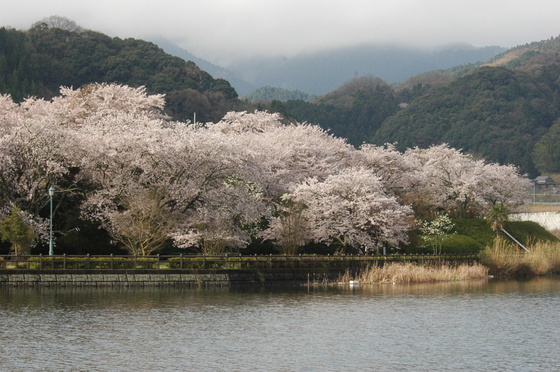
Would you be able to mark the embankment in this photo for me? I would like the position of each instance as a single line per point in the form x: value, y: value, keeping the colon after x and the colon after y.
x: 548, y: 220
x: 144, y: 278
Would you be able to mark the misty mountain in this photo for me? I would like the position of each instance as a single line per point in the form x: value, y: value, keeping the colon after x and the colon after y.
x: 241, y: 86
x: 506, y: 110
x: 269, y: 94
x: 323, y: 72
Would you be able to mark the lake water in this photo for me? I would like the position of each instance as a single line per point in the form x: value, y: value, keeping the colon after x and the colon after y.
x: 464, y: 326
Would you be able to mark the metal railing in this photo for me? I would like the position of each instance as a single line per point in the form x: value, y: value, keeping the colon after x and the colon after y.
x: 545, y: 198
x: 225, y: 262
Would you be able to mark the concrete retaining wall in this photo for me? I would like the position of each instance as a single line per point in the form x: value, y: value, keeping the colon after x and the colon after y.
x: 548, y: 220
x: 141, y: 278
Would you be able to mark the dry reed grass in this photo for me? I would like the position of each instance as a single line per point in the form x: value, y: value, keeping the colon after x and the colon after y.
x: 407, y: 273
x: 505, y: 259
x: 556, y: 233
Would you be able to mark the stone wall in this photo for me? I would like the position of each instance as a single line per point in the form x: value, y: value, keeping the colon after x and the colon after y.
x: 142, y: 278
x: 109, y: 278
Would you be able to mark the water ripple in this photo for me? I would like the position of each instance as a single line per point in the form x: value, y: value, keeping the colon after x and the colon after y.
x: 492, y: 326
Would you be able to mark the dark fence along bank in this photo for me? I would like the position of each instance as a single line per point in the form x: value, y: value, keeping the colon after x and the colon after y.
x: 186, y: 270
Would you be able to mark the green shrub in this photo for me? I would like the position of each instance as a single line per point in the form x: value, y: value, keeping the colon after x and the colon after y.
x: 195, y: 262
x: 451, y: 244
x: 476, y: 228
x: 461, y: 244
x: 524, y: 231
x: 59, y: 262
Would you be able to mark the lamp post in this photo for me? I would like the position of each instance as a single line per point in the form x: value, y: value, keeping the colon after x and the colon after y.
x: 51, y: 246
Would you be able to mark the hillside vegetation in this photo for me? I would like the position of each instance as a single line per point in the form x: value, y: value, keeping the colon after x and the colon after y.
x: 506, y: 110
x: 38, y: 61
x: 355, y: 111
x: 495, y: 112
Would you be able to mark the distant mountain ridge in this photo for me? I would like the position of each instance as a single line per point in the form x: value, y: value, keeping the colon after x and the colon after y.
x: 502, y: 110
x: 268, y: 94
x: 529, y: 55
x: 241, y: 86
x: 322, y: 72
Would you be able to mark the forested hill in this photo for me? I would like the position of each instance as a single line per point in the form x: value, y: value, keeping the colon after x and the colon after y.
x: 38, y: 61
x: 495, y: 112
x: 354, y: 111
x: 529, y: 57
x: 506, y: 110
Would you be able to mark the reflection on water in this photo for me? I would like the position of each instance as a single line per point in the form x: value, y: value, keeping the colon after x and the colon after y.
x: 475, y: 325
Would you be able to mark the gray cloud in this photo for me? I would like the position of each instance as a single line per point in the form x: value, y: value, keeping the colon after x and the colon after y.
x: 226, y: 30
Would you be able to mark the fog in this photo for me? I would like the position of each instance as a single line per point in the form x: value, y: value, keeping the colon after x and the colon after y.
x: 223, y: 31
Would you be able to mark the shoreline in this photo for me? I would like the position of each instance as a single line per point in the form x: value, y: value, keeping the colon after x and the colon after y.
x: 389, y: 273
x: 161, y: 278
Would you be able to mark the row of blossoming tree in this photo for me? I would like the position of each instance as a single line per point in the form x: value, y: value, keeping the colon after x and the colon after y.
x: 147, y: 180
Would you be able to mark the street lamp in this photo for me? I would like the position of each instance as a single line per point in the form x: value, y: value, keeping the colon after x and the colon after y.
x: 51, y: 247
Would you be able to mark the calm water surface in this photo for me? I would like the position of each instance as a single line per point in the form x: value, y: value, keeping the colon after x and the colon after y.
x: 468, y: 326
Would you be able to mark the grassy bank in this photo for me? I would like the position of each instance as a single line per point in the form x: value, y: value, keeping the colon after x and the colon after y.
x: 473, y: 234
x: 505, y: 259
x: 406, y: 273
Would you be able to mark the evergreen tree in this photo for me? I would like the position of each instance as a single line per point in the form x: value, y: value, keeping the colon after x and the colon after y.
x: 546, y: 154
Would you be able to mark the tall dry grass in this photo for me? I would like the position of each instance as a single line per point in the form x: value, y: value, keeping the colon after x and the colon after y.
x: 506, y: 259
x: 407, y: 273
x: 556, y: 233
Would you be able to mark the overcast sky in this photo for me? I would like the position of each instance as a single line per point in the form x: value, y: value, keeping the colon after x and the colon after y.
x: 225, y: 30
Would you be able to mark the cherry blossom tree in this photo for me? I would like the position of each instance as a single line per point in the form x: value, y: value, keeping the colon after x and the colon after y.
x: 39, y: 141
x: 144, y: 224
x: 45, y: 144
x: 450, y: 179
x: 350, y: 208
x: 453, y: 180
x: 276, y: 156
x: 147, y: 179
x: 200, y: 173
x: 36, y: 154
x: 289, y: 227
x: 504, y: 185
x: 227, y: 216
x: 396, y: 171
x: 132, y: 156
